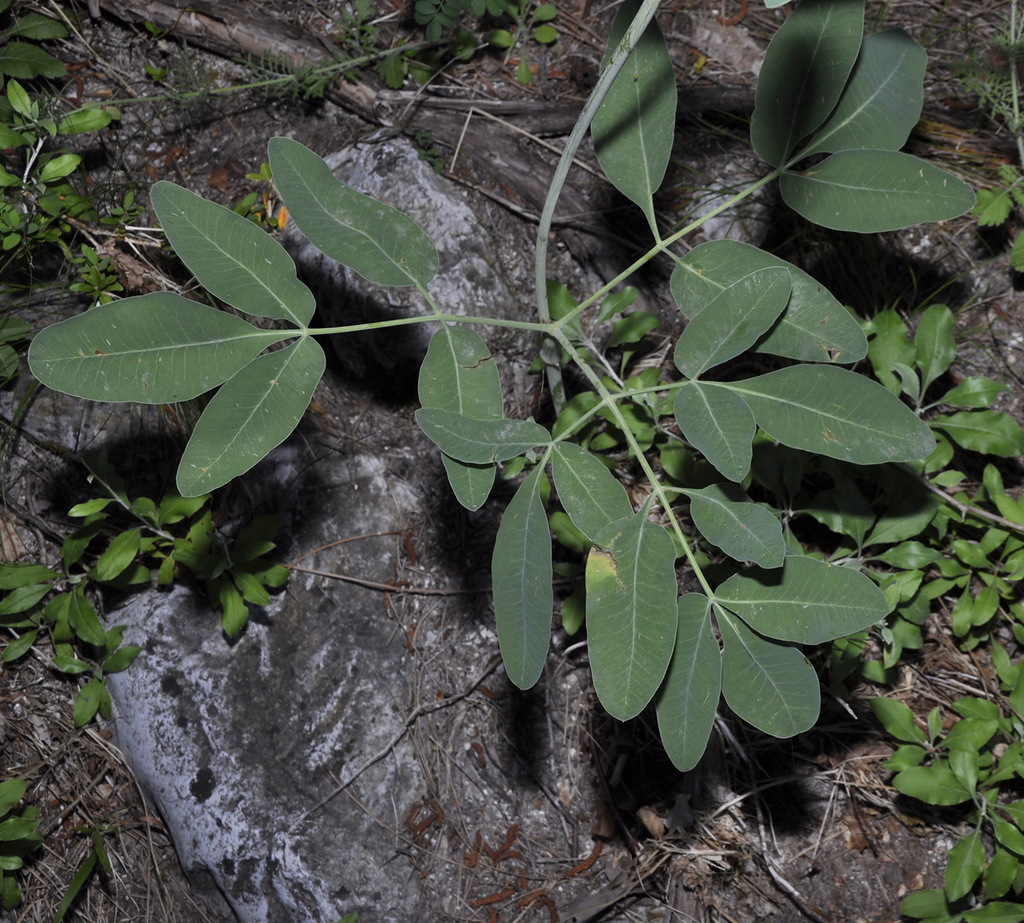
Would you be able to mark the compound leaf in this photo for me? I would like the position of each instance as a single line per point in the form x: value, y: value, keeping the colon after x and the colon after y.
x: 635, y: 125
x: 719, y: 424
x: 814, y: 327
x: 730, y: 520
x: 631, y: 613
x: 805, y: 69
x: 521, y: 572
x: 231, y: 257
x: 458, y: 374
x: 480, y: 442
x: 153, y: 349
x: 377, y: 241
x: 835, y: 412
x: 588, y: 491
x: 882, y: 101
x: 255, y: 411
x: 771, y: 686
x: 733, y: 321
x: 805, y: 601
x: 688, y: 699
x: 872, y: 191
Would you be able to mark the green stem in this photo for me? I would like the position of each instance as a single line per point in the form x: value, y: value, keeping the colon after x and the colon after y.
x: 609, y: 400
x: 418, y: 319
x: 663, y: 245
x: 615, y: 64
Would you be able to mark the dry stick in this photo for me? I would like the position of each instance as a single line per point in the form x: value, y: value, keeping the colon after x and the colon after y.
x: 391, y: 587
x: 414, y: 716
x: 964, y: 508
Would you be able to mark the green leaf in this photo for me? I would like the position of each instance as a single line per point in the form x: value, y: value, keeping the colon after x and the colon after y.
x: 11, y: 792
x: 121, y: 659
x: 730, y: 520
x: 521, y: 572
x: 631, y: 328
x: 771, y: 686
x: 926, y: 905
x: 805, y: 601
x: 88, y: 701
x: 23, y: 598
x: 932, y: 785
x: 18, y: 648
x: 587, y: 490
x: 634, y: 128
x: 36, y: 27
x: 993, y: 206
x: 996, y: 912
x: 804, y: 72
x: 1017, y: 254
x: 255, y: 411
x: 86, y: 119
x: 985, y: 431
x: 835, y: 412
x: 545, y: 34
x: 122, y: 550
x: 459, y: 374
x: 19, y: 575
x: 231, y: 257
x: 872, y: 191
x: 83, y: 619
x: 480, y: 442
x: 58, y: 167
x: 882, y: 101
x: 1000, y: 873
x: 631, y: 613
x: 976, y: 391
x: 934, y: 344
x: 377, y: 241
x: 687, y: 702
x: 20, y: 59
x: 719, y: 424
x: 153, y: 349
x: 814, y: 327
x: 733, y: 321
x: 234, y: 611
x: 11, y: 138
x: 1008, y: 835
x: 890, y: 345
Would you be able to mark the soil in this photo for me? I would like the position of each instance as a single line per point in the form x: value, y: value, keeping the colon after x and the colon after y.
x: 802, y: 829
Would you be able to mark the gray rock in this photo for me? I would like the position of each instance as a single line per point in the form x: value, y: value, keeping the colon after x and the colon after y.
x: 236, y: 742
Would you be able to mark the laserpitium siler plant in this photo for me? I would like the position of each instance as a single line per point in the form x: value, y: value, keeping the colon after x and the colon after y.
x: 832, y: 110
